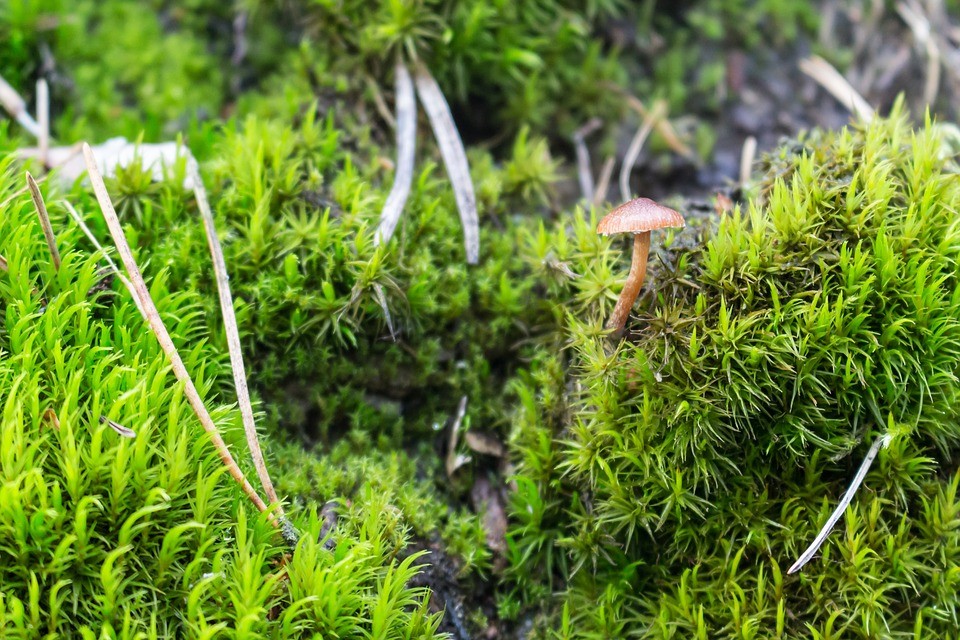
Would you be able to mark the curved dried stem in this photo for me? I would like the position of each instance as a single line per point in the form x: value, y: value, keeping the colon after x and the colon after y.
x: 139, y: 290
x: 406, y: 150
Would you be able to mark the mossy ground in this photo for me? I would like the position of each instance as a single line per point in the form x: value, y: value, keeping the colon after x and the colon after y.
x: 655, y: 488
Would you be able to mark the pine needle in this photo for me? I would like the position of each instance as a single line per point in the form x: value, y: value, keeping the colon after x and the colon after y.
x: 139, y: 290
x: 833, y: 81
x: 44, y: 220
x: 406, y: 149
x: 233, y: 340
x: 454, y: 157
x: 844, y: 503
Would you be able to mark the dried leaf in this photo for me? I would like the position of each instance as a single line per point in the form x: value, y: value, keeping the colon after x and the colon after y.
x: 50, y: 417
x: 406, y: 148
x: 119, y: 428
x: 484, y: 443
x: 454, y: 157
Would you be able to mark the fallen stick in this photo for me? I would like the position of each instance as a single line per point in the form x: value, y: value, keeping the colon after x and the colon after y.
x: 233, y: 340
x: 406, y: 127
x: 139, y: 290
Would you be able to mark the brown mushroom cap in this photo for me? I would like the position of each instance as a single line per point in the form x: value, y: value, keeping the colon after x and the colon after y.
x: 637, y: 216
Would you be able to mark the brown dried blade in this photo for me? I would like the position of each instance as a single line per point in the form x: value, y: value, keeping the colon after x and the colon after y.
x: 454, y: 157
x: 139, y: 290
x: 233, y: 339
x: 44, y: 220
x: 406, y: 149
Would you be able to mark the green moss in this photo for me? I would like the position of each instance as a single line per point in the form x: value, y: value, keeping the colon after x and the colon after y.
x: 699, y: 457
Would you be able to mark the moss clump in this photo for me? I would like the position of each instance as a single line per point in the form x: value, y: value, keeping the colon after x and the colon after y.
x: 106, y: 537
x: 696, y: 461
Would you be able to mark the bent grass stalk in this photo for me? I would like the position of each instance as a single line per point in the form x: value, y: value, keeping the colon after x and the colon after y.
x: 139, y: 290
x: 233, y: 339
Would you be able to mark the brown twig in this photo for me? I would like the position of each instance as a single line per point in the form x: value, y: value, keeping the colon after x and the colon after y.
x: 233, y: 340
x: 44, y: 220
x: 139, y: 290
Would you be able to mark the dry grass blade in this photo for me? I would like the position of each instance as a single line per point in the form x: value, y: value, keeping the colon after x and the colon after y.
x: 44, y: 220
x: 662, y: 126
x: 233, y: 340
x: 3, y: 264
x: 43, y: 119
x: 747, y: 154
x: 17, y: 108
x: 455, y: 460
x: 139, y: 290
x: 834, y: 82
x: 382, y: 301
x: 603, y: 182
x: 844, y: 503
x: 633, y: 151
x: 454, y: 157
x: 406, y: 149
x: 912, y: 14
x: 584, y: 172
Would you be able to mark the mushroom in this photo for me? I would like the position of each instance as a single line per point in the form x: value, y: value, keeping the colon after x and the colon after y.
x: 639, y: 217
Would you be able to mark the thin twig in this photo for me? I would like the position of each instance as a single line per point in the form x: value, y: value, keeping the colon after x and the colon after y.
x: 844, y: 503
x: 747, y: 155
x: 44, y: 220
x: 43, y: 119
x: 603, y: 182
x: 833, y: 81
x: 17, y: 108
x: 139, y: 289
x: 584, y: 172
x: 633, y: 151
x: 454, y: 157
x: 233, y: 339
x: 406, y: 127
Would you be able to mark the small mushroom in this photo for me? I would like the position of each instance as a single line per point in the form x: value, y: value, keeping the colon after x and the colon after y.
x: 639, y: 217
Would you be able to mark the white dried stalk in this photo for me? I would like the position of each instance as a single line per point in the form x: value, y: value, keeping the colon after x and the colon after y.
x: 17, y: 108
x: 913, y: 15
x: 139, y: 290
x: 454, y: 157
x: 406, y: 149
x: 603, y: 182
x: 233, y: 339
x: 633, y: 151
x: 584, y: 172
x: 43, y: 119
x: 844, y: 503
x: 44, y: 220
x: 747, y: 154
x: 833, y: 81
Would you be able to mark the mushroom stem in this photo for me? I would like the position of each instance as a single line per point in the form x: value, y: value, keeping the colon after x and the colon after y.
x: 631, y: 288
